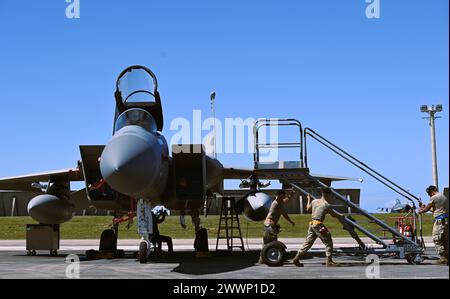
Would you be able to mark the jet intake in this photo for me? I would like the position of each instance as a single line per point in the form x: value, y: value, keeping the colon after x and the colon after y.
x: 190, y: 172
x: 50, y: 209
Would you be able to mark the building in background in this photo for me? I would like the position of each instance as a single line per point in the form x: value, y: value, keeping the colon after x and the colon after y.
x: 15, y: 203
x: 297, y: 204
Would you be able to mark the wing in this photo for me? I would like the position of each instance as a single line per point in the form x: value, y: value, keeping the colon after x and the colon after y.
x: 244, y: 173
x: 336, y: 178
x: 237, y: 173
x: 23, y: 183
x: 329, y: 179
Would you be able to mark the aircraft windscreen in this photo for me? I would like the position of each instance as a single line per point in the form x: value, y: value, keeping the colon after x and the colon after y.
x: 137, y: 86
x: 136, y: 117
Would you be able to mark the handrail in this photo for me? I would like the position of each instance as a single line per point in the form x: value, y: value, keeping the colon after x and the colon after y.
x: 359, y: 164
x: 363, y: 212
x: 267, y: 122
x: 348, y: 221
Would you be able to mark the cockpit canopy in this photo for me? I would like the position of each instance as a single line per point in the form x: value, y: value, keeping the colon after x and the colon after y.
x: 137, y: 85
x: 136, y: 117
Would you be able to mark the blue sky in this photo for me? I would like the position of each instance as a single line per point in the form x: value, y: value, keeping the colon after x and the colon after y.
x: 358, y: 81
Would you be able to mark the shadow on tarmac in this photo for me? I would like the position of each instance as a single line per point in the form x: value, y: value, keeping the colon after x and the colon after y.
x: 211, y: 263
x: 221, y: 262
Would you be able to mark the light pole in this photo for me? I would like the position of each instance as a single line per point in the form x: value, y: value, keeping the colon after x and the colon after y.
x: 432, y: 110
x: 213, y: 99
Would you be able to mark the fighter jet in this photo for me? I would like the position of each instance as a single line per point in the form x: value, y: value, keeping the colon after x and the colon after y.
x: 398, y: 208
x: 135, y: 170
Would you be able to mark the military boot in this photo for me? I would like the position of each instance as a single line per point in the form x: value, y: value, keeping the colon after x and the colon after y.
x: 331, y: 263
x: 297, y: 259
x: 441, y: 261
x: 260, y: 261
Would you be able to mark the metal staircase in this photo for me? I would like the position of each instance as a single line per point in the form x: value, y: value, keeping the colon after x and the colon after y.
x: 298, y: 177
x: 418, y: 241
x: 358, y: 164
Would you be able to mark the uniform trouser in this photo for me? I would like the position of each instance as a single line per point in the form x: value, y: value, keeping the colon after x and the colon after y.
x: 270, y: 233
x: 159, y: 239
x: 440, y: 237
x: 321, y: 232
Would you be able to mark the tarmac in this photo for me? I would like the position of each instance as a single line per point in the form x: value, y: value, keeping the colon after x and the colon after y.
x: 14, y: 263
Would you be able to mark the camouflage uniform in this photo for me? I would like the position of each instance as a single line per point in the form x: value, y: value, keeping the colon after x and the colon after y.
x: 270, y: 233
x: 271, y: 226
x: 440, y: 227
x: 320, y: 207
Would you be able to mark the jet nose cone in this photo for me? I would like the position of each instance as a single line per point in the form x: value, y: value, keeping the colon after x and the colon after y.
x: 127, y: 164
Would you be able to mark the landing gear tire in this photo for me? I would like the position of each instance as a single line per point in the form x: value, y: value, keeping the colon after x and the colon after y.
x: 108, y: 241
x: 143, y: 252
x: 201, y: 240
x: 274, y: 254
x: 414, y: 259
x: 91, y: 254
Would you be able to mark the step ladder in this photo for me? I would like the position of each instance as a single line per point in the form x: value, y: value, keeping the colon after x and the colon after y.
x: 229, y: 225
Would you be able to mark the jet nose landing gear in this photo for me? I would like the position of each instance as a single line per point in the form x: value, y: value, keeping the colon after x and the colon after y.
x: 143, y: 252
